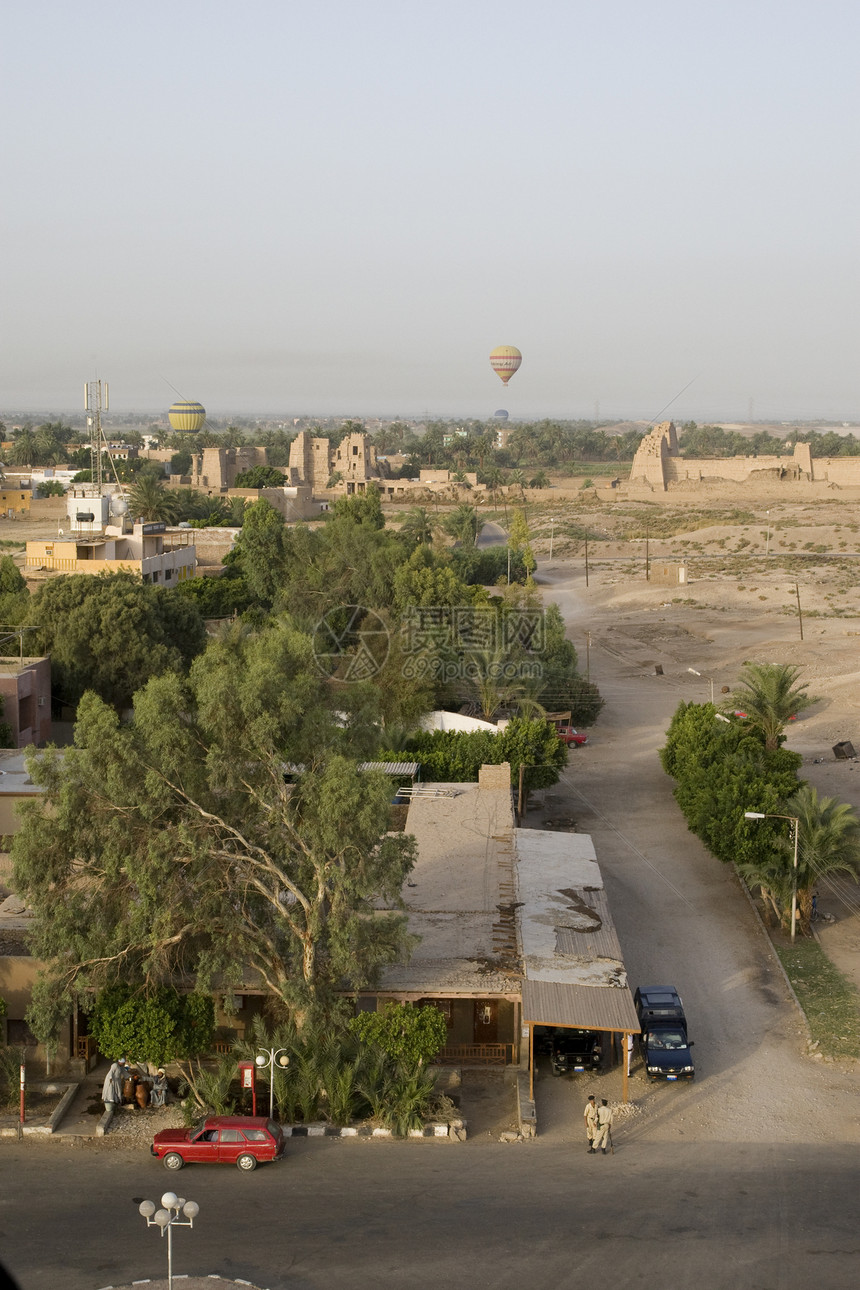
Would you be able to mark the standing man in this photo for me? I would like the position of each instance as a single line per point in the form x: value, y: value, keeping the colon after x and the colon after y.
x: 112, y: 1087
x: 590, y: 1115
x: 604, y: 1126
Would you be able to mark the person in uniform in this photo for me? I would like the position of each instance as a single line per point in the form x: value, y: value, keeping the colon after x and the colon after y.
x: 590, y: 1115
x: 604, y: 1126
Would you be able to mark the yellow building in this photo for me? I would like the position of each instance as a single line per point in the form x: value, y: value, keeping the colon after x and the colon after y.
x: 14, y: 500
x: 147, y: 550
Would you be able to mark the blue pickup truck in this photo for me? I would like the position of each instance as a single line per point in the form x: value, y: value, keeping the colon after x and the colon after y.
x: 664, y: 1042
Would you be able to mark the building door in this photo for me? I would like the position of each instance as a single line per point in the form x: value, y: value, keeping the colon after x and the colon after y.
x: 486, y: 1021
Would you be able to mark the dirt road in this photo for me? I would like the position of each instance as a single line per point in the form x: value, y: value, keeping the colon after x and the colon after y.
x: 681, y: 915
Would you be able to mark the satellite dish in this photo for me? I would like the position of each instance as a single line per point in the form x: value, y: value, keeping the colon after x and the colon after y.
x: 118, y: 504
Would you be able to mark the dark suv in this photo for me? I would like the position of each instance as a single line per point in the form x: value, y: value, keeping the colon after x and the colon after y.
x: 664, y: 1042
x: 574, y: 1051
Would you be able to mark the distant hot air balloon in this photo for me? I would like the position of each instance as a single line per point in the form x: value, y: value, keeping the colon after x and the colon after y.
x: 186, y: 418
x: 501, y: 414
x: 505, y: 360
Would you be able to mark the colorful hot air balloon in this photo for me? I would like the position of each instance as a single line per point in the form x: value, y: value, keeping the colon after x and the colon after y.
x: 186, y: 418
x: 505, y: 360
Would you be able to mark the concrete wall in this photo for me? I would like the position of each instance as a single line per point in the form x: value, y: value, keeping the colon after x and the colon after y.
x: 26, y: 691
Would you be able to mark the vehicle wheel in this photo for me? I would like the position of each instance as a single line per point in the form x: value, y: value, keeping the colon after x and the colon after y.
x: 247, y: 1163
x: 173, y: 1160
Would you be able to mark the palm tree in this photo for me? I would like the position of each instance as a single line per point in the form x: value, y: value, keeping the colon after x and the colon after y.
x: 463, y: 524
x: 22, y: 450
x: 518, y: 478
x: 540, y: 480
x: 828, y: 843
x: 418, y: 526
x: 770, y: 697
x: 498, y: 684
x: 149, y: 500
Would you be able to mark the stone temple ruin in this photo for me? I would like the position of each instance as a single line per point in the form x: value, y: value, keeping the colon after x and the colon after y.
x: 658, y: 466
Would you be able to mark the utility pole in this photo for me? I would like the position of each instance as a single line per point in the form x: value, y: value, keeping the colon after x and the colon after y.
x: 647, y: 554
x: 799, y: 613
x: 586, y: 557
x: 588, y: 656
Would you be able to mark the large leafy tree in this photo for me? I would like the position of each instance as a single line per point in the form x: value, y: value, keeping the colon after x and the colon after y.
x: 112, y: 632
x: 721, y: 770
x: 770, y: 696
x: 171, y: 849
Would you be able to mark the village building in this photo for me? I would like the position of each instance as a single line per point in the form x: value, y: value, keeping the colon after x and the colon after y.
x: 25, y: 687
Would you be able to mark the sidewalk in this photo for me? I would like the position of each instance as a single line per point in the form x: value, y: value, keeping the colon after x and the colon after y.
x: 80, y: 1121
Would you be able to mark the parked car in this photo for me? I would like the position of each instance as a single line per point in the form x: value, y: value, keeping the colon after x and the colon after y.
x: 664, y: 1042
x: 571, y: 737
x: 574, y: 1051
x: 242, y: 1140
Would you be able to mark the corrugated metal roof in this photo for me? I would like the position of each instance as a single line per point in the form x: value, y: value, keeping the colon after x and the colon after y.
x: 391, y: 767
x: 566, y: 930
x: 555, y: 1003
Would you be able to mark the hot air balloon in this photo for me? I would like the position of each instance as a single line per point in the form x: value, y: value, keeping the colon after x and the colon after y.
x: 505, y: 360
x: 186, y: 418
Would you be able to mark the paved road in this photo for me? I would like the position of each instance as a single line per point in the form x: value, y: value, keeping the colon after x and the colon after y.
x: 365, y: 1215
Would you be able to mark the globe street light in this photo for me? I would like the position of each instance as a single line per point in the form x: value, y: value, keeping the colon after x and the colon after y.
x: 267, y: 1058
x: 704, y: 678
x: 167, y: 1218
x: 760, y: 815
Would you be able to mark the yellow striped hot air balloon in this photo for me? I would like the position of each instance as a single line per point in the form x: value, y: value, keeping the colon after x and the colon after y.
x: 186, y: 418
x: 505, y: 360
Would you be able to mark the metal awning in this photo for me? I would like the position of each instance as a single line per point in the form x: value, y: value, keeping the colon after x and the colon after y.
x: 588, y: 1007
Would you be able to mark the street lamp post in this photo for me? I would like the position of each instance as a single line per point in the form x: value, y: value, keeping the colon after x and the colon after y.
x: 551, y: 536
x: 167, y: 1218
x: 767, y: 539
x: 704, y: 678
x: 762, y: 815
x: 268, y: 1057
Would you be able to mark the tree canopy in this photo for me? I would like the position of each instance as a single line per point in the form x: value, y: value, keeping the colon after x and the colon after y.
x: 110, y: 633
x: 171, y: 849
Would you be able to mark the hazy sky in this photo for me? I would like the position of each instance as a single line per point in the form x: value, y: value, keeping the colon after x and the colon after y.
x: 341, y: 206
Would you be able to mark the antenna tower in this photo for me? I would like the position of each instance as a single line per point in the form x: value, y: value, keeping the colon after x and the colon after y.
x: 96, y: 401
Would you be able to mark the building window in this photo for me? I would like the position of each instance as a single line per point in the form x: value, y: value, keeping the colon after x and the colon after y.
x: 18, y: 1033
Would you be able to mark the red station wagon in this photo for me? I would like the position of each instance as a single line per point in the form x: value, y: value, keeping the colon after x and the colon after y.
x: 242, y: 1140
x: 571, y: 737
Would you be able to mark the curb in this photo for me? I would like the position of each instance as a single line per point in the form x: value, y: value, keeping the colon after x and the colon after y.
x: 526, y: 1108
x: 62, y: 1107
x: 453, y: 1129
x: 105, y: 1122
x: 745, y: 889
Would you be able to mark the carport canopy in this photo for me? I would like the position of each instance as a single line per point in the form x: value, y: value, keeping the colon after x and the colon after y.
x: 586, y: 1007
